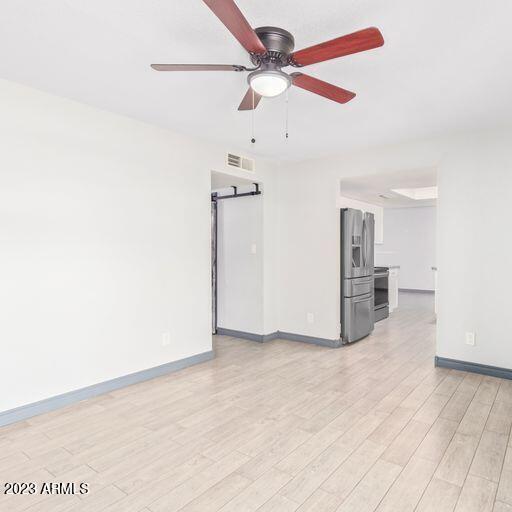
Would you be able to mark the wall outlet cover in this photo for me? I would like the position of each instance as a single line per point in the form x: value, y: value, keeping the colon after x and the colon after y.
x: 470, y: 339
x: 166, y: 339
x: 310, y: 318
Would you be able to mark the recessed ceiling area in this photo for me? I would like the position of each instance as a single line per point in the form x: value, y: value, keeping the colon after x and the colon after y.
x: 442, y: 68
x: 417, y: 193
x: 380, y: 189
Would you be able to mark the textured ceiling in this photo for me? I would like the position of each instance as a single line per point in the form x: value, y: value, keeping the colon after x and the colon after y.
x: 445, y: 67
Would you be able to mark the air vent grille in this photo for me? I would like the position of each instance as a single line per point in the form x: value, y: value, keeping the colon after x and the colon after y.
x: 240, y: 162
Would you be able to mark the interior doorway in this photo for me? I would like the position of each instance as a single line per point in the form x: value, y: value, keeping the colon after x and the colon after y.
x: 403, y: 211
x: 236, y: 224
x: 214, y: 264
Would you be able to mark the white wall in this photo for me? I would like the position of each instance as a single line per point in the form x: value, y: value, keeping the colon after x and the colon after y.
x: 409, y: 241
x: 308, y: 251
x: 104, y: 245
x: 378, y: 214
x: 270, y: 247
x: 475, y: 282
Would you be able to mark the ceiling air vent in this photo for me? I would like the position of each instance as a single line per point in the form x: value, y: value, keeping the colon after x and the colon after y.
x: 240, y: 162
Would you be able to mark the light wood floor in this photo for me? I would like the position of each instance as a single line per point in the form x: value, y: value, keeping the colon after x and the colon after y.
x: 284, y: 427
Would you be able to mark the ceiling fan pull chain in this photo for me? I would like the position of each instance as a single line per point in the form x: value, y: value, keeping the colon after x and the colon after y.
x: 253, y: 140
x: 286, y: 122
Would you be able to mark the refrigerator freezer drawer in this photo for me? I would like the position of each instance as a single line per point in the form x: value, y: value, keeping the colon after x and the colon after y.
x: 358, y: 317
x: 358, y: 286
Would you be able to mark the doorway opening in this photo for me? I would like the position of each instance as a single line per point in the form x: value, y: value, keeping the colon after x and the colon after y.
x: 236, y: 236
x: 400, y: 208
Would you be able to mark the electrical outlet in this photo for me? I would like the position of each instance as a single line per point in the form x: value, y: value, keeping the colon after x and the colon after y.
x: 310, y: 318
x: 166, y: 339
x: 470, y: 338
x: 253, y: 249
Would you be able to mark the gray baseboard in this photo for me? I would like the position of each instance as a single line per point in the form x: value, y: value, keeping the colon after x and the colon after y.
x: 466, y: 366
x: 415, y: 290
x: 56, y: 402
x: 262, y: 338
x: 323, y: 342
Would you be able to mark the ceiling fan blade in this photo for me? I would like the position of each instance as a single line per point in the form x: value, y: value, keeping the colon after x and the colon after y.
x: 325, y: 89
x: 248, y: 103
x: 197, y: 67
x: 360, y: 41
x: 228, y: 12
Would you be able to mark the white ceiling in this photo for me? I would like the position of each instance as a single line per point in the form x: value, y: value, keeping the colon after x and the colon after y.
x: 372, y: 188
x: 445, y: 67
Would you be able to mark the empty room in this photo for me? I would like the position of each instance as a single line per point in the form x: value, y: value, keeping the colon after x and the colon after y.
x: 254, y: 256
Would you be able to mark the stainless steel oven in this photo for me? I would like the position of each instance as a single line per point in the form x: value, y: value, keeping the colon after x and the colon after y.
x: 381, y: 293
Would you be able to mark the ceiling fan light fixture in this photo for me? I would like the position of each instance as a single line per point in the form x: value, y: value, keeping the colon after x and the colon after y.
x: 269, y: 83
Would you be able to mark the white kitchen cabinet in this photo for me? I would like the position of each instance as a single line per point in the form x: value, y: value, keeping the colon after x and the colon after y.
x: 393, y: 288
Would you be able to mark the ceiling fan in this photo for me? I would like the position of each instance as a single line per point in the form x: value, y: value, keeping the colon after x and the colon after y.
x: 271, y: 49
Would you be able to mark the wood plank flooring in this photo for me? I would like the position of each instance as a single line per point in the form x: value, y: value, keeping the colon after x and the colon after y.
x: 283, y: 427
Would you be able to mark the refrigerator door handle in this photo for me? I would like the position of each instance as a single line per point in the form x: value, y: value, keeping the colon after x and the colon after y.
x: 366, y: 244
x: 363, y: 242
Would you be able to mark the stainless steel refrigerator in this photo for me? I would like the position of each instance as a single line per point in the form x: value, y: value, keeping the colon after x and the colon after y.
x: 357, y: 282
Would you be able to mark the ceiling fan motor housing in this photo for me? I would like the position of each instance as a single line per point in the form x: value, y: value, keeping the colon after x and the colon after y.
x: 279, y: 44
